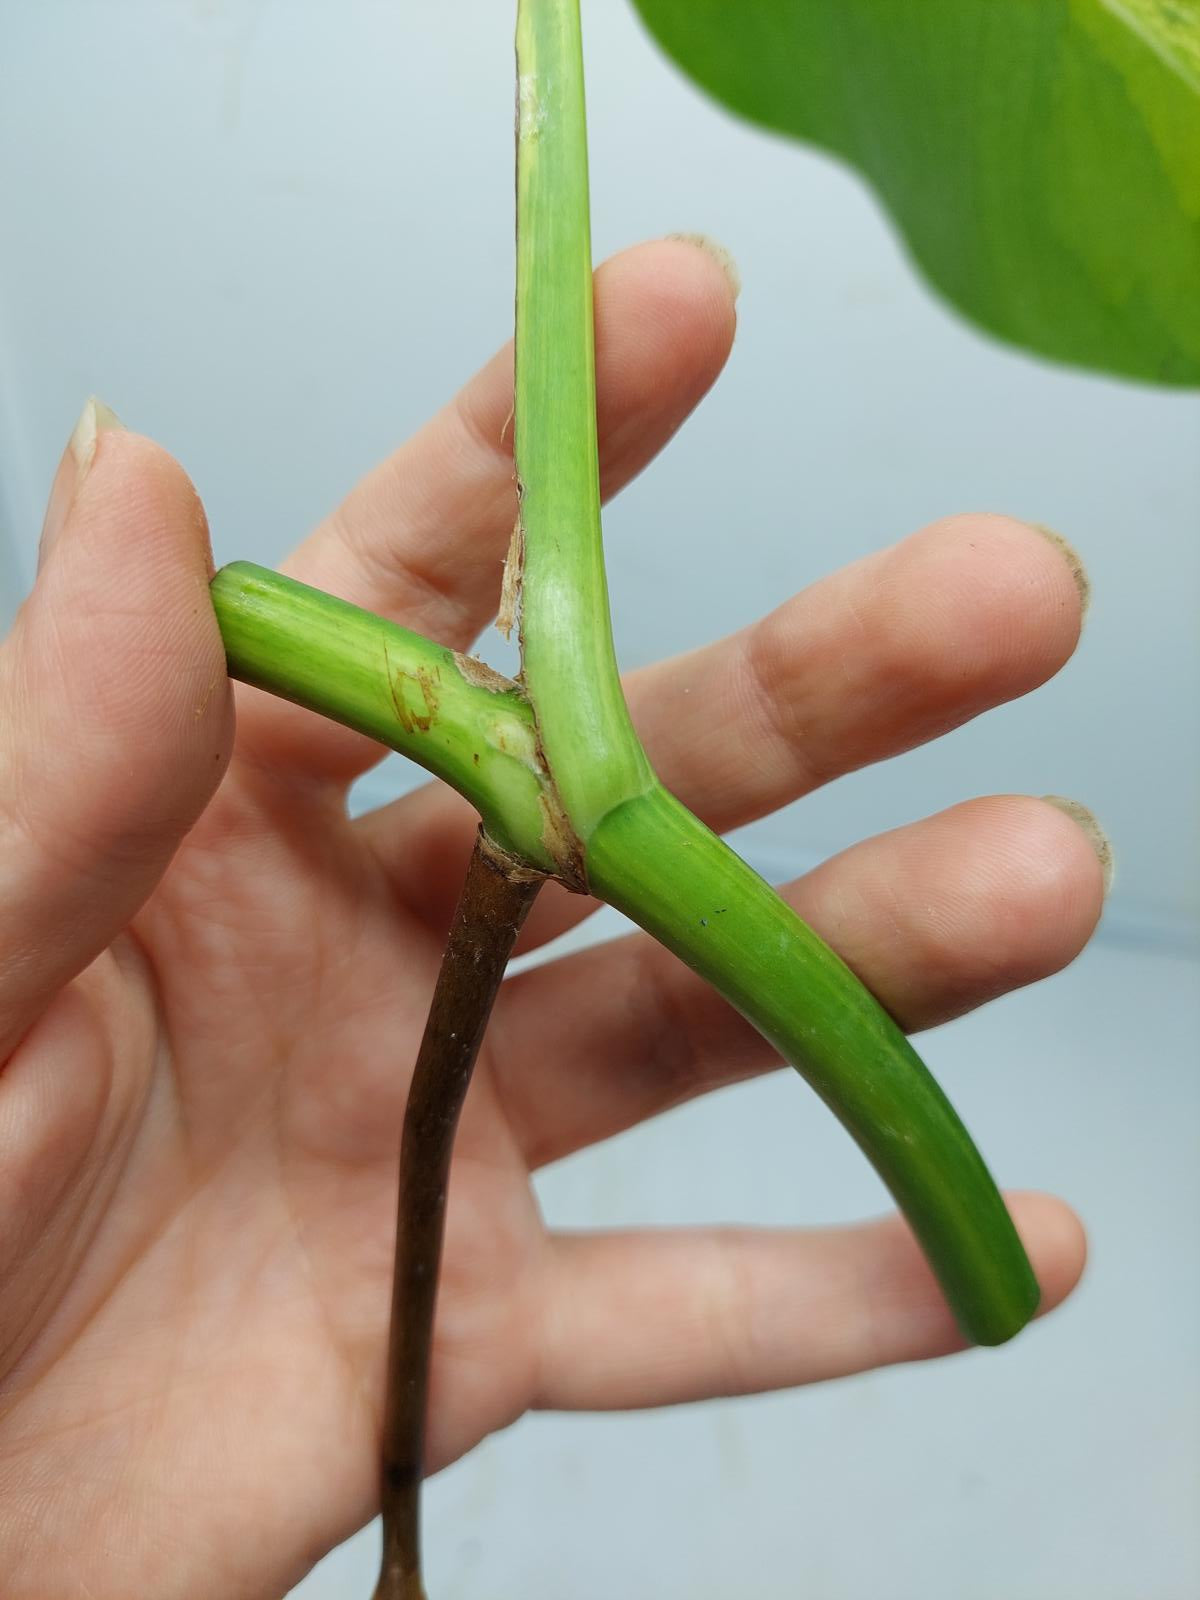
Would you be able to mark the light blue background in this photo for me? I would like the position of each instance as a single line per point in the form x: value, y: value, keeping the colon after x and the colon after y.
x: 275, y: 236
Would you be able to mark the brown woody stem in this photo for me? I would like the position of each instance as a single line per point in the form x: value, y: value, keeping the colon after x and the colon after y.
x: 495, y: 900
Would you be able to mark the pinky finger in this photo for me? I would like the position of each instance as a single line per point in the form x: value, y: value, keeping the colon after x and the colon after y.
x: 663, y: 1316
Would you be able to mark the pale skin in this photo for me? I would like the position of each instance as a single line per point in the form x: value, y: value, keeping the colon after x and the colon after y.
x: 212, y: 985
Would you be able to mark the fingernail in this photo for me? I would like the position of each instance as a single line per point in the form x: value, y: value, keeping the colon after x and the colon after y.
x: 1078, y: 571
x: 1096, y: 835
x: 719, y: 254
x: 95, y: 418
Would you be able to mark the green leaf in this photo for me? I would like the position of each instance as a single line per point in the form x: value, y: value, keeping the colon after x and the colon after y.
x: 1040, y: 157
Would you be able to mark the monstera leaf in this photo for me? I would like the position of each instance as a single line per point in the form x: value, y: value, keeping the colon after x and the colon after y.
x: 1041, y: 157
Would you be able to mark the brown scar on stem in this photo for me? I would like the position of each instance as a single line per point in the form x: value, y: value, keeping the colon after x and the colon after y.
x: 561, y: 841
x: 510, y: 588
x: 513, y: 868
x: 563, y: 845
x: 514, y: 563
x: 480, y: 676
x: 411, y: 720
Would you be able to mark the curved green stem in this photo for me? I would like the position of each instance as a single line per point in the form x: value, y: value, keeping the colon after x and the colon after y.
x: 456, y: 717
x: 655, y: 862
x: 569, y: 667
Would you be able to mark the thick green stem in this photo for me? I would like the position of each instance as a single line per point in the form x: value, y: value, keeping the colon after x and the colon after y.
x: 654, y: 861
x: 568, y: 664
x: 456, y: 717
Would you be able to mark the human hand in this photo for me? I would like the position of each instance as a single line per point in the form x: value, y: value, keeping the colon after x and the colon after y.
x: 212, y: 984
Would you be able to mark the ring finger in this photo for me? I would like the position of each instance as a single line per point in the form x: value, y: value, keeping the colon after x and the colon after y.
x: 935, y: 918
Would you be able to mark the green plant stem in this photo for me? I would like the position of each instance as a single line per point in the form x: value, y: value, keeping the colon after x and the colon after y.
x: 655, y: 862
x: 639, y: 848
x: 450, y: 713
x: 556, y: 770
x: 569, y: 667
x: 495, y: 901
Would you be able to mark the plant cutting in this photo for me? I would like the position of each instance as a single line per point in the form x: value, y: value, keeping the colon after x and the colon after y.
x: 214, y: 977
x: 553, y: 765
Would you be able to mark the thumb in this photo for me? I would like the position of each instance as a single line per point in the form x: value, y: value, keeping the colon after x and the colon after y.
x: 116, y: 715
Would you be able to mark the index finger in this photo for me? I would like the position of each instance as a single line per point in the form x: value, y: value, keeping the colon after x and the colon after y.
x: 422, y: 539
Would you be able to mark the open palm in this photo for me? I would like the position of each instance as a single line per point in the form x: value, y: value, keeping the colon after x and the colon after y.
x: 212, y: 983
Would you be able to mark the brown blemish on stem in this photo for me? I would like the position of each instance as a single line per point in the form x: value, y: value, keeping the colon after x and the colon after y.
x: 411, y: 718
x: 513, y: 868
x: 510, y: 588
x: 562, y: 843
x: 495, y: 901
x: 480, y: 676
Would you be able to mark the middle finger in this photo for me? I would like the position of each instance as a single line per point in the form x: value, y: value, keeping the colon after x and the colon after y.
x: 880, y: 657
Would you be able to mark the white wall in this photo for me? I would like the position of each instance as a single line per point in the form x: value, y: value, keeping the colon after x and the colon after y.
x: 275, y: 235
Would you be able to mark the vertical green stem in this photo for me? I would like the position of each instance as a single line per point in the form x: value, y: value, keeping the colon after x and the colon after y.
x: 569, y: 666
